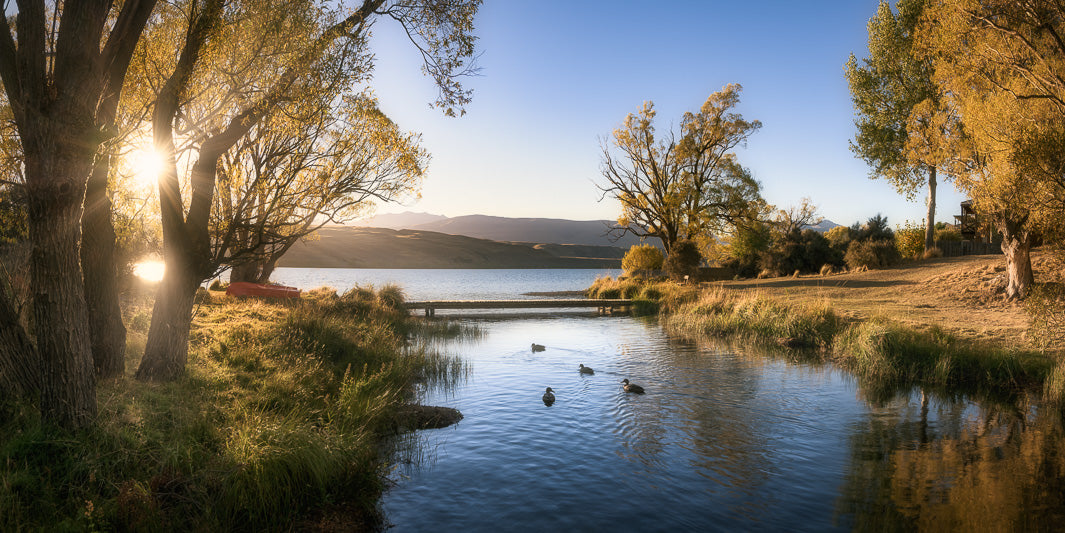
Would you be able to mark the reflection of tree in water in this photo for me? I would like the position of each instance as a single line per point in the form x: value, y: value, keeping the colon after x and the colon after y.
x: 710, y: 410
x: 953, y: 465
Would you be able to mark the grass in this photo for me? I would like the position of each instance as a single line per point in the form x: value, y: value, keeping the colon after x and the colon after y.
x: 884, y: 354
x: 283, y: 412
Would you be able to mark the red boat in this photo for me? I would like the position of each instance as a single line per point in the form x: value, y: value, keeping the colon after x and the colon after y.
x: 244, y: 288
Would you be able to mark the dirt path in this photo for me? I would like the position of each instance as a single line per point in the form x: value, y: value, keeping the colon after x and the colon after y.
x: 955, y: 293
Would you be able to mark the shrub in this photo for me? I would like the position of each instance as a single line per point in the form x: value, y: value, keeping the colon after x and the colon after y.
x: 803, y: 252
x: 948, y: 234
x: 391, y: 296
x: 683, y: 260
x: 218, y: 285
x: 642, y: 257
x: 909, y: 240
x: 871, y: 254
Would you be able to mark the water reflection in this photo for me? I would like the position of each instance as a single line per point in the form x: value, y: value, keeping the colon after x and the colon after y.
x: 724, y: 438
x: 938, y: 465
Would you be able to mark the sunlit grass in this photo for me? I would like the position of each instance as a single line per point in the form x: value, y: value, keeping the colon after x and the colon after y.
x: 284, y: 408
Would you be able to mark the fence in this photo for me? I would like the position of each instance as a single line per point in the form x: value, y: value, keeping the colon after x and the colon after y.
x: 956, y: 248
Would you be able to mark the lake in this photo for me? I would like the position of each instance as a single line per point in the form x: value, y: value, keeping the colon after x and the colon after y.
x: 725, y: 438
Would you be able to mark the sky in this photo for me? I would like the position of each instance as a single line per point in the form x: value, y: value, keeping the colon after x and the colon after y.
x: 558, y: 76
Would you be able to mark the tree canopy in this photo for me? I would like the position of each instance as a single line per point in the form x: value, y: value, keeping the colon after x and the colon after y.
x: 680, y: 188
x: 902, y: 123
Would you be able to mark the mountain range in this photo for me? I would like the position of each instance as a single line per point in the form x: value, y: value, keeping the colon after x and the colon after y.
x: 505, y: 229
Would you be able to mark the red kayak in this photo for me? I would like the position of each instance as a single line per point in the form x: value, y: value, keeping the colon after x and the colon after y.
x: 244, y: 288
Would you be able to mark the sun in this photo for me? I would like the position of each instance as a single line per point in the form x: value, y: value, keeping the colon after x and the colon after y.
x: 145, y: 166
x: 151, y: 270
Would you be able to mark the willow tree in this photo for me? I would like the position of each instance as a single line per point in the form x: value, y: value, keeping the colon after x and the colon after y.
x: 1002, y: 63
x: 58, y: 67
x: 295, y: 172
x: 297, y: 36
x: 681, y: 188
x: 902, y: 123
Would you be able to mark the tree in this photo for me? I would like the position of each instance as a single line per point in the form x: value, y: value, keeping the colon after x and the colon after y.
x: 441, y: 29
x: 58, y: 66
x: 297, y: 171
x: 1001, y: 63
x: 902, y: 122
x: 678, y: 189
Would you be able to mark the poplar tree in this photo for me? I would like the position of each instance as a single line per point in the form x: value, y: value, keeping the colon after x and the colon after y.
x: 901, y: 122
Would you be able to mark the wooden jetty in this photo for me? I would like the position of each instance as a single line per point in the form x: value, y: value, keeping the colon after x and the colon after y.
x: 607, y: 306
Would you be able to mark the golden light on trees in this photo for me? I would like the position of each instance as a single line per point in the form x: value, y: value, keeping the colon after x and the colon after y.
x: 144, y: 165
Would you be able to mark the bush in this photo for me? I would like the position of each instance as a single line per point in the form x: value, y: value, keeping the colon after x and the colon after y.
x: 683, y: 260
x: 872, y: 254
x: 217, y: 285
x: 642, y: 257
x: 948, y: 234
x: 804, y: 252
x: 909, y: 240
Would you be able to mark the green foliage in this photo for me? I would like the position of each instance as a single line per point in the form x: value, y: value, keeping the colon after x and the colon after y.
x: 896, y: 99
x: 909, y: 240
x: 803, y: 251
x: 746, y: 246
x: 683, y: 261
x: 218, y: 285
x: 642, y: 257
x: 284, y: 408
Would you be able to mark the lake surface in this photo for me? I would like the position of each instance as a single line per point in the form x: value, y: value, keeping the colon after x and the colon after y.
x: 724, y: 439
x: 440, y: 283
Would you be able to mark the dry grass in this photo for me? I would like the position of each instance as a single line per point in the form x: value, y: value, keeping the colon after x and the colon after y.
x: 956, y: 294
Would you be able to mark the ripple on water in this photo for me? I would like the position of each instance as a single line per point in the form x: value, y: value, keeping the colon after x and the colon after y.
x: 721, y: 440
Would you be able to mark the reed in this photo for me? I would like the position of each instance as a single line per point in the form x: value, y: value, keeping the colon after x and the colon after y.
x: 882, y: 353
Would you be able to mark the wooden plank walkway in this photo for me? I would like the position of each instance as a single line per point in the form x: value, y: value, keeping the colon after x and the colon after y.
x: 605, y: 306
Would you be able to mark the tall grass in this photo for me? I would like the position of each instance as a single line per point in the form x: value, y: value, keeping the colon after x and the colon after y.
x: 882, y: 353
x: 283, y: 409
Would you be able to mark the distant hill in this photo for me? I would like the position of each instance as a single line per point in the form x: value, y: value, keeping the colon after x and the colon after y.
x: 824, y: 226
x: 404, y: 220
x: 352, y: 247
x: 543, y: 230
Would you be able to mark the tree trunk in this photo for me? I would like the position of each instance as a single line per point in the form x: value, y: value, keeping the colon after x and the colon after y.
x: 930, y: 226
x: 167, y: 349
x: 101, y: 276
x: 1016, y: 245
x: 19, y: 370
x: 56, y: 173
x: 248, y: 271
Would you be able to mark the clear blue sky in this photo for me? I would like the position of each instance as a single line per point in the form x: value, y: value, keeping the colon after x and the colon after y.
x: 559, y: 75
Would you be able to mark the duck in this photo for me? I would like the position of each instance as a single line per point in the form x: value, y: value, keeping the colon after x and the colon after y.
x: 631, y: 387
x: 549, y: 397
x: 538, y: 347
x: 585, y: 370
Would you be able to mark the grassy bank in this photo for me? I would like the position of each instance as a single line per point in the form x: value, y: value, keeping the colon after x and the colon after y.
x: 883, y: 353
x: 279, y: 423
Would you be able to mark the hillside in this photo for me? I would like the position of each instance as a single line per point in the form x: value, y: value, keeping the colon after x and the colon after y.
x: 545, y: 230
x: 352, y: 247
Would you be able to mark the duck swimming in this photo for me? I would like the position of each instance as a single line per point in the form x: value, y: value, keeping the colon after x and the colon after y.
x: 586, y: 370
x: 538, y: 347
x: 631, y: 387
x: 548, y: 398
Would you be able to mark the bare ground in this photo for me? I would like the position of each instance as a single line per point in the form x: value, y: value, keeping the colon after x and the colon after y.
x: 960, y: 294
